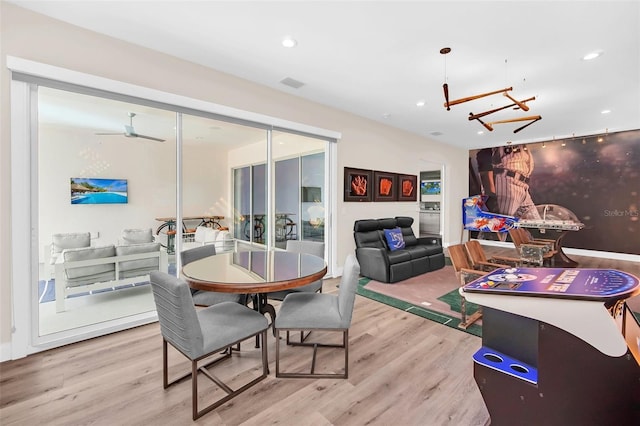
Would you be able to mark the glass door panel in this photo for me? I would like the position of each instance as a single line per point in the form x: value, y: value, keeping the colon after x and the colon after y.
x: 247, y: 165
x: 313, y: 197
x: 259, y: 204
x: 207, y: 146
x: 287, y: 200
x: 242, y: 203
x: 104, y: 167
x: 300, y: 196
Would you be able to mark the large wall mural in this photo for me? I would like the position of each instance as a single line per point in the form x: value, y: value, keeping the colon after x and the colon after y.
x: 596, y: 178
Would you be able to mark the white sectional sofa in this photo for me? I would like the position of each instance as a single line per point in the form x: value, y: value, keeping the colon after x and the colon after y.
x: 86, y: 269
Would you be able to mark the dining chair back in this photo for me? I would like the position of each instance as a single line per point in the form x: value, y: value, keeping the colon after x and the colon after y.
x: 315, y: 248
x: 197, y: 253
x: 201, y: 334
x: 461, y: 262
x: 464, y: 271
x: 202, y: 297
x: 319, y: 311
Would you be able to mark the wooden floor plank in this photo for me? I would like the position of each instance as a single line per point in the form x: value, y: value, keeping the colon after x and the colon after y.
x: 403, y: 369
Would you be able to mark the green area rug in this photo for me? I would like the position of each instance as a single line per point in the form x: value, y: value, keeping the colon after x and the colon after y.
x: 452, y: 299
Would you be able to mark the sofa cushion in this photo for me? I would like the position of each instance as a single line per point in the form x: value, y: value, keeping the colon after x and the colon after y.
x: 418, y: 251
x: 224, y: 241
x: 398, y: 256
x: 369, y: 239
x: 206, y: 235
x: 136, y: 236
x: 387, y: 223
x: 139, y: 267
x: 224, y: 236
x: 404, y: 221
x: 394, y: 238
x: 366, y: 225
x: 88, y: 253
x: 62, y: 242
x: 409, y: 237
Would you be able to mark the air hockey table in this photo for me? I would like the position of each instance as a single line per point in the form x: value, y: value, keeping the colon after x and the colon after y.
x: 559, y: 346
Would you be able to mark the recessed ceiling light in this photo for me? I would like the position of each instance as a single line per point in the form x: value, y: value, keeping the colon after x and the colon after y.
x: 386, y: 115
x: 420, y: 103
x: 480, y: 132
x: 605, y: 111
x: 592, y: 55
x: 289, y: 42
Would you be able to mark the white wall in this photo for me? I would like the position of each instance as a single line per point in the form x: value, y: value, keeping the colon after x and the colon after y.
x: 150, y: 169
x: 365, y: 144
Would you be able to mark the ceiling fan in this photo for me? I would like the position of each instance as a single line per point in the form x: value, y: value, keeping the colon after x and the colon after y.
x: 129, y: 132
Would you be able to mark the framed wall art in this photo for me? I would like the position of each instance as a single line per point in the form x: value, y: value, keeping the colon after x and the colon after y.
x: 385, y: 186
x: 407, y: 188
x: 357, y: 185
x: 99, y: 191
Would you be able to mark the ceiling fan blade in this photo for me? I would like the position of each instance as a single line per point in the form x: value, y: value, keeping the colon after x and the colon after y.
x: 108, y: 134
x: 129, y: 131
x: 147, y: 137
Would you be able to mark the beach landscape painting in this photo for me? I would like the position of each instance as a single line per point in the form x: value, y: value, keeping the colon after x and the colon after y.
x: 99, y: 191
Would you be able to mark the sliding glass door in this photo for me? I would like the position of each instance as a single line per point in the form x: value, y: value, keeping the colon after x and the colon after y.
x: 287, y: 200
x: 110, y: 175
x: 294, y: 187
x: 104, y: 167
x: 299, y: 188
x: 209, y: 146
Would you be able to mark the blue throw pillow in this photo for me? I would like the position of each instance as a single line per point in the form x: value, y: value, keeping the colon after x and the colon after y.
x: 394, y: 238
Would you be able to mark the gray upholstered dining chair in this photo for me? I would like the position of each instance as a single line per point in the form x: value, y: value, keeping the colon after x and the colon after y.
x: 202, y: 297
x: 320, y: 311
x: 315, y: 248
x: 199, y: 334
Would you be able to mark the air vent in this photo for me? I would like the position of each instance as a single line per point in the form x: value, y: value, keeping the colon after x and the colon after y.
x: 436, y: 133
x: 292, y: 83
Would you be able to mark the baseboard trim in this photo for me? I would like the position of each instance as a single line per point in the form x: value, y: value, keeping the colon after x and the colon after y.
x: 5, y: 352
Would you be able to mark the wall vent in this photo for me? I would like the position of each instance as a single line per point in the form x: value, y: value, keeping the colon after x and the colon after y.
x: 288, y: 81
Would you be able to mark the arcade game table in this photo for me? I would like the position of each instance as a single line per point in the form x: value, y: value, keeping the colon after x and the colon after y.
x: 559, y: 346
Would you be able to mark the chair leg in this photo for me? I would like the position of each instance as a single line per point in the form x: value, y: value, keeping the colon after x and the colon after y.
x: 465, y: 321
x: 345, y: 343
x: 194, y: 389
x: 312, y: 373
x: 165, y: 365
x: 231, y: 393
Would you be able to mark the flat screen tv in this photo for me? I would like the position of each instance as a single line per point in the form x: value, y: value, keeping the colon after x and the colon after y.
x: 99, y: 191
x: 430, y: 187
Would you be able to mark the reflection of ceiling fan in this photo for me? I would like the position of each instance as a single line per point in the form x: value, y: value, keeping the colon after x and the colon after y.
x: 129, y: 132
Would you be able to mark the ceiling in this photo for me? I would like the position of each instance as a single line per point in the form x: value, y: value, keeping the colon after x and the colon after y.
x: 378, y: 59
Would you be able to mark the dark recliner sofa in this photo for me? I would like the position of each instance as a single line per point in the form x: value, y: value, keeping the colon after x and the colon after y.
x: 377, y: 262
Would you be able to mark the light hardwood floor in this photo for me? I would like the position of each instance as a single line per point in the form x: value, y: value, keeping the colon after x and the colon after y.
x: 404, y: 370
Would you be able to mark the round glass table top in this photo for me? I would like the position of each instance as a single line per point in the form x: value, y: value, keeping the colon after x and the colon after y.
x: 254, y: 271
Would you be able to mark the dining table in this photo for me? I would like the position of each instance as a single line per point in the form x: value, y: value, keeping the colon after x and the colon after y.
x: 256, y: 273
